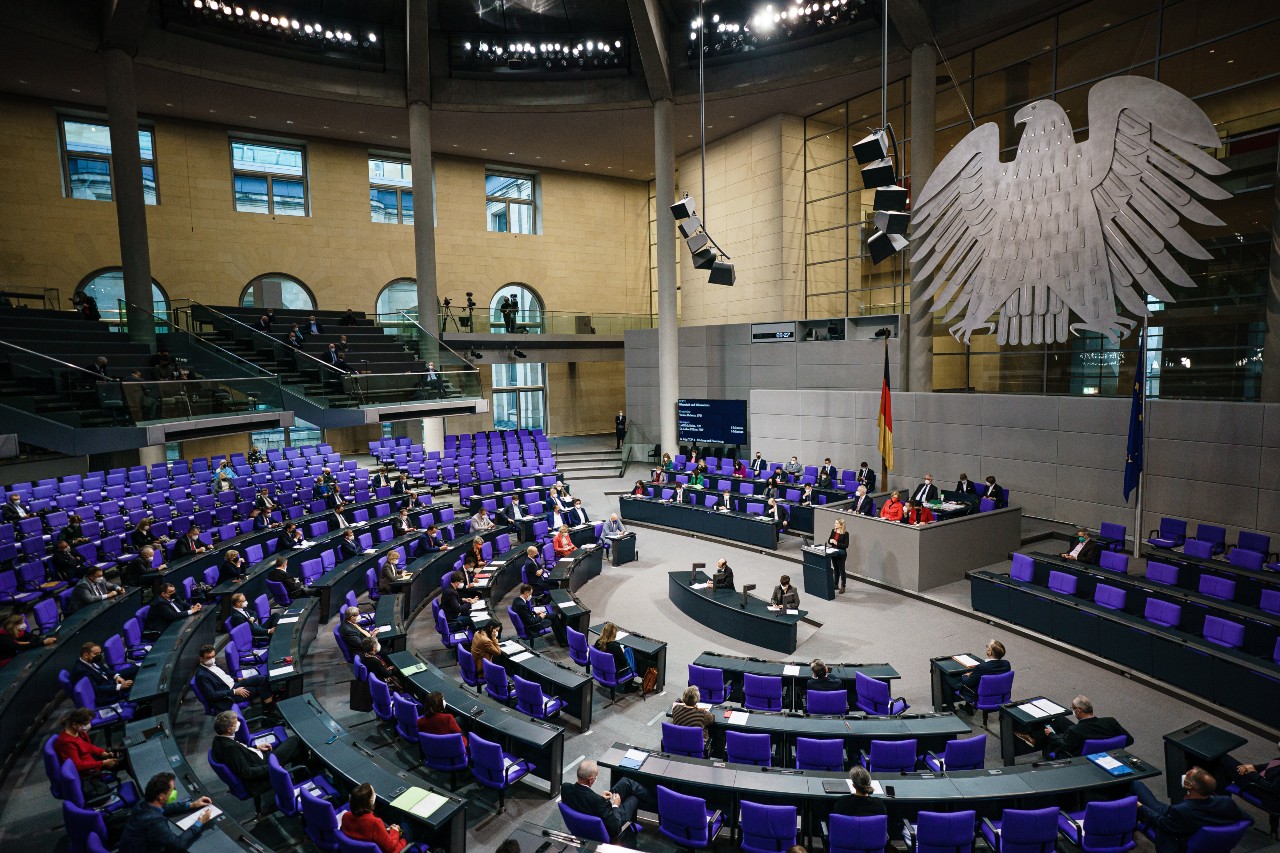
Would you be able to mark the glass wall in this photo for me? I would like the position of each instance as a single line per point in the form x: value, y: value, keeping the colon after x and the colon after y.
x: 1207, y: 343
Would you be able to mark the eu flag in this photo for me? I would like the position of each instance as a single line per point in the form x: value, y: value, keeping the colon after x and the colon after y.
x: 1133, y: 454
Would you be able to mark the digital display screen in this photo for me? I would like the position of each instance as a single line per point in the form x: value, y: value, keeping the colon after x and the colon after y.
x: 712, y: 421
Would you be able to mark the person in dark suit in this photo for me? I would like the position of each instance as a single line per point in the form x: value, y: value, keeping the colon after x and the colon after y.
x: 13, y: 510
x: 295, y: 587
x: 261, y: 521
x: 785, y: 595
x: 777, y: 513
x: 678, y: 495
x: 860, y: 803
x: 263, y: 324
x: 992, y: 490
x: 758, y: 465
x: 725, y: 502
x: 335, y: 358
x: 863, y: 504
x: 806, y: 496
x: 839, y: 542
x: 578, y: 514
x: 222, y: 691
x: 401, y: 525
x: 538, y: 575
x: 620, y: 428
x: 232, y: 567
x: 290, y: 538
x: 99, y: 367
x: 142, y: 535
x: 616, y: 807
x: 1086, y: 550
x: 926, y: 492
x: 827, y: 468
x: 92, y: 588
x: 141, y: 571
x: 348, y: 547
x: 866, y: 476
x: 351, y: 631
x: 1175, y: 823
x: 264, y: 501
x: 1067, y: 739
x: 431, y: 540
x: 67, y: 564
x: 108, y: 687
x: 723, y: 578
x: 399, y: 485
x: 967, y: 683
x: 535, y: 616
x: 965, y: 486
x: 148, y: 827
x: 73, y: 531
x: 457, y: 610
x: 248, y: 763
x: 189, y: 543
x: 822, y: 678
x: 167, y: 608
x: 241, y: 615
x: 1264, y: 775
x: 314, y: 326
x: 348, y: 319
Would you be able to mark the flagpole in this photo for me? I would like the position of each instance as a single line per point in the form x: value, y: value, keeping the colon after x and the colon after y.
x: 1142, y: 472
x: 884, y: 465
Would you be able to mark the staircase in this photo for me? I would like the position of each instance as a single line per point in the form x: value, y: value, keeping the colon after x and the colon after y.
x: 586, y: 464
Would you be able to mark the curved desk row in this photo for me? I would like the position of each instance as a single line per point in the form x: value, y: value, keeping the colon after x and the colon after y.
x: 1065, y: 784
x: 1244, y: 683
x: 1250, y: 583
x: 723, y: 610
x: 351, y: 763
x: 556, y: 679
x: 575, y: 570
x: 647, y: 652
x: 794, y: 674
x: 734, y: 526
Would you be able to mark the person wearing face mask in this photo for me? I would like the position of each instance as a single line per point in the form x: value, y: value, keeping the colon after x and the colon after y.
x: 794, y: 468
x: 965, y: 486
x: 893, y: 508
x: 108, y: 687
x: 149, y: 829
x: 222, y: 691
x: 14, y: 639
x: 241, y: 615
x: 89, y: 759
x: 1175, y: 823
x: 1086, y: 550
x: 246, y: 762
x: 92, y: 588
x: 926, y: 492
x: 371, y: 656
x: 167, y: 608
x: 231, y: 568
x: 867, y: 477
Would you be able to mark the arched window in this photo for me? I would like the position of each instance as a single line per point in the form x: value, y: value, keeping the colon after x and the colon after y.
x: 276, y: 290
x: 528, y: 317
x: 399, y: 295
x: 106, y: 286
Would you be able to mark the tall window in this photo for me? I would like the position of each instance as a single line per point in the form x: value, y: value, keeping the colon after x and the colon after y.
x: 106, y: 286
x: 277, y: 291
x: 519, y: 396
x: 399, y: 295
x: 509, y: 202
x: 390, y: 191
x: 86, y: 160
x: 528, y: 317
x: 269, y: 178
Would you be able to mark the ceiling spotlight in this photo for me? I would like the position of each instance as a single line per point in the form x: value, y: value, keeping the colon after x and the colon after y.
x: 373, y: 38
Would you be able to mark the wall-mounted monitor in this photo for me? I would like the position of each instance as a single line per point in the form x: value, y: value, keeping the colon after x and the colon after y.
x: 712, y: 421
x: 772, y: 333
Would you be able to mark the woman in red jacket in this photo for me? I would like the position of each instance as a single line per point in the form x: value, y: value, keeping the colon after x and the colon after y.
x: 362, y: 824
x: 562, y: 543
x: 89, y: 759
x: 438, y: 721
x: 893, y: 508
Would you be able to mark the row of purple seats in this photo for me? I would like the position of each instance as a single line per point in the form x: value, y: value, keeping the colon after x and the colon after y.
x: 1209, y: 540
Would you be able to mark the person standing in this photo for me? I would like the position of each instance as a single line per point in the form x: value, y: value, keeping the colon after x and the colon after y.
x: 838, y: 542
x: 620, y: 428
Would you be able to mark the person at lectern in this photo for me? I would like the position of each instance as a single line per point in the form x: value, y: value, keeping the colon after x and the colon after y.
x: 723, y: 578
x: 785, y: 595
x: 838, y: 541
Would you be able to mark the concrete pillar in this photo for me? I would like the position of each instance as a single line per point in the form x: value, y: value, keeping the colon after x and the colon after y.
x: 418, y: 86
x: 126, y: 189
x: 151, y: 454
x: 1271, y: 343
x: 924, y: 69
x: 664, y: 170
x: 433, y: 434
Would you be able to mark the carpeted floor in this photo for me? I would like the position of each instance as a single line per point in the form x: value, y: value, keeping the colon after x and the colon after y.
x: 868, y: 624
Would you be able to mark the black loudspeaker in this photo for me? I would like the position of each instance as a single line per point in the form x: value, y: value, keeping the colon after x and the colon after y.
x: 703, y: 259
x: 871, y: 148
x: 689, y: 227
x: 891, y: 222
x: 697, y: 242
x: 683, y: 209
x: 878, y: 174
x: 722, y: 273
x: 890, y: 198
x: 882, y: 245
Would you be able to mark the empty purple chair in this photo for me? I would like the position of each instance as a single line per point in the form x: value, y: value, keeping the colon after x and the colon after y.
x: 1023, y: 568
x: 1258, y: 542
x: 1245, y: 559
x: 1062, y: 582
x: 1172, y: 533
x: 1162, y: 613
x: 1110, y: 597
x: 1197, y: 549
x: 1223, y: 632
x: 1269, y: 601
x: 1114, y: 561
x: 1111, y: 535
x: 1217, y: 587
x: 1162, y: 573
x: 891, y: 756
x: 1022, y: 831
x: 967, y: 754
x: 942, y: 832
x: 710, y: 683
x: 1214, y: 536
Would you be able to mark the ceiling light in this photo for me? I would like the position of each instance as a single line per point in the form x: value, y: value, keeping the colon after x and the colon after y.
x: 373, y: 38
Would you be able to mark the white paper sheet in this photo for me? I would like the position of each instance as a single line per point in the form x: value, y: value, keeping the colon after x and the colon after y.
x: 521, y: 656
x: 790, y: 670
x: 966, y: 660
x: 280, y: 670
x: 186, y: 821
x: 1048, y: 707
x: 287, y: 621
x: 739, y: 718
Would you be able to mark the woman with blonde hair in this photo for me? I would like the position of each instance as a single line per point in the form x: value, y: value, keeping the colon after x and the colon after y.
x: 563, y: 543
x: 838, y: 542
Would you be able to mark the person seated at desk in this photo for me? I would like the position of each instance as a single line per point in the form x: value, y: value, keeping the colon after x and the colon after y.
x: 701, y: 468
x: 1175, y: 823
x: 431, y: 540
x: 1086, y: 550
x: 608, y: 642
x: 685, y: 712
x: 926, y: 492
x: 758, y: 465
x: 513, y: 511
x: 793, y: 468
x: 67, y: 564
x: 222, y: 691
x: 231, y: 568
x: 806, y: 495
x: 966, y: 683
x: 390, y: 573
x: 246, y: 762
x: 371, y: 657
x: 142, y: 571
x: 149, y: 829
x: 822, y: 679
x: 777, y: 513
x: 486, y: 645
x: 965, y: 486
x: 108, y: 687
x: 142, y: 535
x: 380, y: 479
x: 73, y: 532
x: 862, y: 503
x: 16, y: 638
x: 666, y: 464
x: 473, y: 560
x: 360, y: 823
x: 353, y: 634
x: 1067, y: 739
x: 613, y: 527
x: 290, y: 538
x: 639, y: 490
x: 723, y: 578
x: 263, y: 501
x: 279, y: 573
x: 616, y: 807
x: 435, y: 720
x: 918, y: 513
x: 785, y: 596
x: 866, y: 477
x: 89, y: 759
x: 860, y: 803
x: 1264, y: 775
x: 260, y: 520
x: 401, y: 525
x: 724, y: 503
x: 577, y: 514
x: 562, y: 543
x: 827, y: 468
x: 348, y: 547
x: 457, y: 610
x: 167, y: 608
x: 481, y: 522
x: 893, y: 508
x: 677, y: 497
x: 241, y: 615
x: 697, y: 481
x: 560, y: 499
x: 400, y: 485
x: 92, y: 588
x: 539, y: 576
x: 14, y: 511
x: 992, y: 490
x: 534, y: 616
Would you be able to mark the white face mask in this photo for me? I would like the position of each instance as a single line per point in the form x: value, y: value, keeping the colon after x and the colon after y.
x: 209, y: 663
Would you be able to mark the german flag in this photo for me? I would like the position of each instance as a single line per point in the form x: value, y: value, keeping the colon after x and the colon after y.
x: 886, y: 417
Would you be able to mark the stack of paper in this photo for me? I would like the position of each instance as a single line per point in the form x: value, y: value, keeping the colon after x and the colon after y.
x: 287, y: 620
x: 966, y: 660
x: 478, y: 605
x: 634, y: 758
x: 516, y: 658
x: 280, y: 670
x: 382, y: 629
x: 739, y: 718
x: 791, y: 670
x: 413, y: 670
x: 371, y: 550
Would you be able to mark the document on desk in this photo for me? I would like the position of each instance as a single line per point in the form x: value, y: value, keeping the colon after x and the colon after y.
x: 634, y: 758
x: 588, y: 546
x: 966, y: 660
x: 790, y: 670
x: 478, y: 605
x: 419, y: 802
x: 371, y: 550
x: 287, y: 620
x: 413, y: 670
x: 1109, y: 764
x: 739, y: 718
x: 516, y: 658
x: 622, y: 634
x: 791, y: 612
x: 699, y: 585
x: 510, y: 647
x: 280, y: 670
x: 187, y: 821
x: 1049, y: 708
x: 1032, y: 710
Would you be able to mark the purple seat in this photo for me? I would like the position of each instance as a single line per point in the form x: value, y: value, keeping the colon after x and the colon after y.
x: 1246, y: 559
x: 1106, y: 744
x: 827, y: 701
x: 1110, y: 597
x: 1172, y: 533
x: 993, y: 691
x: 1223, y: 632
x: 1162, y: 573
x: 1197, y: 549
x: 710, y: 683
x: 761, y: 692
x: 1217, y: 587
x: 1062, y: 582
x: 1163, y: 613
x: 1023, y: 568
x: 1112, y: 536
x: 683, y: 740
x: 820, y: 754
x: 1259, y: 542
x: 1214, y: 536
x: 686, y: 820
x: 494, y: 768
x: 1103, y: 826
x: 530, y: 700
x: 967, y: 754
x: 943, y: 832
x: 748, y: 748
x: 766, y: 829
x: 1022, y: 831
x: 891, y: 756
x: 1269, y: 601
x: 873, y: 696
x: 1114, y: 561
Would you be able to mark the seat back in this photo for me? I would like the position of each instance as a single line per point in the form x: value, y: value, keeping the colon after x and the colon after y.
x: 406, y: 718
x: 767, y: 828
x: 1115, y: 561
x: 319, y: 821
x: 820, y: 754
x: 1029, y: 830
x: 1174, y: 530
x: 858, y: 834
x: 577, y: 647
x: 1111, y: 530
x: 1164, y: 573
x: 1163, y: 613
x: 443, y: 752
x: 1196, y: 548
x: 495, y: 681
x: 487, y: 762
x: 234, y: 785
x: 967, y: 754
x: 1062, y: 582
x: 282, y: 786
x: 1249, y: 541
x: 1109, y: 824
x: 1218, y: 839
x: 748, y: 748
x: 603, y: 667
x: 381, y: 699
x: 1223, y: 632
x: 872, y: 694
x: 1214, y: 535
x: 529, y: 698
x: 584, y: 826
x: 892, y: 756
x: 1105, y: 744
x: 827, y: 701
x: 945, y: 832
x: 994, y: 690
x: 1110, y: 597
x: 762, y: 692
x: 466, y: 665
x: 83, y: 825
x: 1023, y: 568
x: 1269, y: 601
x: 1246, y: 559
x: 682, y: 818
x: 709, y: 681
x: 683, y: 740
x: 1217, y: 587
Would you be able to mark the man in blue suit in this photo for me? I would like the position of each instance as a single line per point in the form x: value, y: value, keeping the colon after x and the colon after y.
x: 1175, y: 823
x: 967, y: 683
x: 863, y: 504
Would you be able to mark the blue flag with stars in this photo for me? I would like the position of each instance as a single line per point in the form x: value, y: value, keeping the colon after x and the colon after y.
x: 1133, y: 455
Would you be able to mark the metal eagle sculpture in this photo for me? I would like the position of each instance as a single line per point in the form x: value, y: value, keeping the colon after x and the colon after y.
x: 1068, y: 228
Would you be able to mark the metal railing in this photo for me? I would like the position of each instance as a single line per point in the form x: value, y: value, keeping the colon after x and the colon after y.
x: 192, y: 353
x: 530, y: 322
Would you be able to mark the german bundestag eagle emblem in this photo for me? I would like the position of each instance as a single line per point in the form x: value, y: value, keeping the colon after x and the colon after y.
x: 1065, y: 228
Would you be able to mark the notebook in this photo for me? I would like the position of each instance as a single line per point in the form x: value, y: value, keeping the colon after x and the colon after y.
x: 1112, y: 765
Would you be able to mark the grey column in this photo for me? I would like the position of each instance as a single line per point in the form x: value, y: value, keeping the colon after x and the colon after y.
x: 1271, y: 343
x: 924, y: 68
x: 664, y: 171
x: 126, y: 189
x: 418, y: 91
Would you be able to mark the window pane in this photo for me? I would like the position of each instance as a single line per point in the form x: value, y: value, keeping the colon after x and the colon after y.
x: 508, y: 186
x: 288, y: 199
x: 87, y: 138
x: 521, y: 218
x: 146, y: 144
x: 251, y: 194
x: 271, y: 159
x: 90, y: 178
x: 1108, y: 52
x: 382, y: 205
x: 149, y: 184
x: 497, y: 211
x: 400, y: 295
x: 107, y: 289
x: 394, y: 173
x: 406, y: 207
